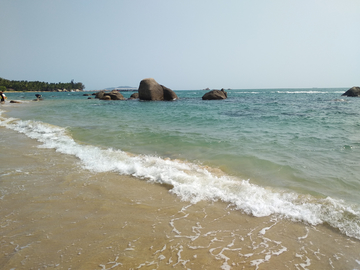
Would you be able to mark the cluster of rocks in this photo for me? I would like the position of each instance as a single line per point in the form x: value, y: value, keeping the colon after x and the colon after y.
x: 149, y: 89
x: 113, y: 95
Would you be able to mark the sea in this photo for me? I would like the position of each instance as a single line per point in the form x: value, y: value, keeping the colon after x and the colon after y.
x: 265, y: 179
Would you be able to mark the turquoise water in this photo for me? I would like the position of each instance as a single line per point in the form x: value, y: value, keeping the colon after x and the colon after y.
x: 289, y: 152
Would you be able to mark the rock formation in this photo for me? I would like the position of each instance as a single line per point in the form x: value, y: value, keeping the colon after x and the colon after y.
x: 99, y: 94
x: 352, y: 92
x: 113, y: 95
x: 215, y: 94
x: 134, y: 96
x: 149, y: 89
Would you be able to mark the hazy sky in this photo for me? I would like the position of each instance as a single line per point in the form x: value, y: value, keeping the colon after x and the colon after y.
x: 183, y: 44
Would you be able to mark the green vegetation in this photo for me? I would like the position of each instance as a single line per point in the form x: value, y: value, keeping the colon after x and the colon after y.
x: 39, y: 86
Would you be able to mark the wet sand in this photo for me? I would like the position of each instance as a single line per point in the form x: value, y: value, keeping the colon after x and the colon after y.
x: 56, y: 215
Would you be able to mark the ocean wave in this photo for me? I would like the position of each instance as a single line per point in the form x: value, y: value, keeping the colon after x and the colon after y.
x: 286, y: 92
x: 194, y: 183
x: 308, y: 92
x: 301, y: 92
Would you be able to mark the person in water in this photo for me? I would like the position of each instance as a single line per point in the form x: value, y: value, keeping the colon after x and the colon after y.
x: 3, y: 97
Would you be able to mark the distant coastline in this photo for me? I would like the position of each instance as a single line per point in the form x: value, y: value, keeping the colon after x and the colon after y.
x: 122, y: 89
x: 37, y: 86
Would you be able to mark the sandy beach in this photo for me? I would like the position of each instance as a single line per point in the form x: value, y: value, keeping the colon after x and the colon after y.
x: 56, y: 215
x: 240, y: 151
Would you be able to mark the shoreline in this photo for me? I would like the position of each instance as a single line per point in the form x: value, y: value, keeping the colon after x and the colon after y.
x: 47, y: 91
x: 54, y: 213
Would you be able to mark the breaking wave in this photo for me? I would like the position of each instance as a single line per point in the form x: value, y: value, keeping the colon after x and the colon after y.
x: 194, y: 183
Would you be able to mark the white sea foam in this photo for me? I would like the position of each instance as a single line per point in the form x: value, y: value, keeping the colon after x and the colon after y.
x: 301, y: 92
x: 194, y: 183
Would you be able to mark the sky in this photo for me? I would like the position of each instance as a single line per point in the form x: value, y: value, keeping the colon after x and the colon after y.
x: 182, y: 44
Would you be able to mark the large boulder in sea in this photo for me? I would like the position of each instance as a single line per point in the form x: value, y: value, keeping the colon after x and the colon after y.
x: 352, y: 92
x: 149, y: 89
x: 215, y: 94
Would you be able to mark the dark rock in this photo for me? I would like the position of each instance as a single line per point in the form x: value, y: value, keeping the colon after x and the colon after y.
x: 85, y: 95
x: 14, y: 101
x: 352, y: 92
x: 149, y: 89
x: 215, y: 94
x: 169, y: 94
x: 99, y: 94
x: 134, y: 96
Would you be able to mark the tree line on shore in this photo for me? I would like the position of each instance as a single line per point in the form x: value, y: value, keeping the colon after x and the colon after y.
x: 11, y: 85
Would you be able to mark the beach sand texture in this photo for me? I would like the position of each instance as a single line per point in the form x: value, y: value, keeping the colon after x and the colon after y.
x: 56, y: 215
